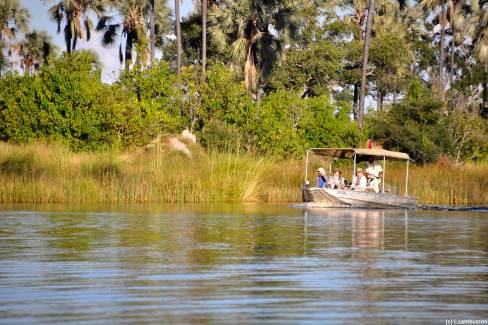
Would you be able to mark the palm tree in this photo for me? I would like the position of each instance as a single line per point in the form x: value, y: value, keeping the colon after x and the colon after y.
x: 13, y: 18
x: 34, y: 50
x: 130, y: 22
x: 204, y: 37
x: 453, y: 4
x: 152, y: 32
x: 433, y: 5
x: 78, y: 23
x: 475, y: 21
x: 364, y: 66
x: 355, y: 13
x: 245, y: 27
x: 178, y: 36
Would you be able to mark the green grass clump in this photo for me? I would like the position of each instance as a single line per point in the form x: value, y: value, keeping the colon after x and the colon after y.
x: 40, y: 173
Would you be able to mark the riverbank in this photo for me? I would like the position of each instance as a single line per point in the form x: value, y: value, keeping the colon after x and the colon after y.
x: 40, y: 173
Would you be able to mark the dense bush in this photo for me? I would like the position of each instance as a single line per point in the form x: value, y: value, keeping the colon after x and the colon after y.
x: 67, y: 102
x: 412, y: 126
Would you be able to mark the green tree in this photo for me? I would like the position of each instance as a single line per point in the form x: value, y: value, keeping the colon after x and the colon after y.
x: 13, y: 18
x: 78, y: 24
x: 245, y: 27
x: 474, y: 18
x: 433, y: 5
x: 178, y: 36
x: 130, y: 22
x: 34, y: 51
x: 414, y: 126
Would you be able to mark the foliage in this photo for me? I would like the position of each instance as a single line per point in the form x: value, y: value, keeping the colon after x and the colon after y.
x: 35, y: 50
x: 67, y: 102
x: 78, y: 24
x: 413, y: 126
x: 245, y: 27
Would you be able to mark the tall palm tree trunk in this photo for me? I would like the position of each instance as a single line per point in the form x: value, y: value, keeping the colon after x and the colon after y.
x: 178, y: 36
x: 68, y: 35
x: 355, y: 101
x: 484, y: 103
x: 367, y: 37
x: 75, y: 39
x: 453, y: 44
x: 442, y: 57
x: 152, y: 33
x: 452, y: 59
x: 204, y: 38
x: 128, y: 50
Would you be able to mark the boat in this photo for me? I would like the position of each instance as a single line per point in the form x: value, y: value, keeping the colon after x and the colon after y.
x: 315, y: 197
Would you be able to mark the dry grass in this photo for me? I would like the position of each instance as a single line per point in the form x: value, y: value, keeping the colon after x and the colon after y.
x: 444, y: 183
x: 40, y: 173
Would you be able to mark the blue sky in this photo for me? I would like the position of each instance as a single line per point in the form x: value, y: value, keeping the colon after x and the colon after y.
x: 108, y: 56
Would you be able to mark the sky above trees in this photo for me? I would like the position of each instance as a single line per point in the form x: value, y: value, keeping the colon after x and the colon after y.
x: 108, y: 56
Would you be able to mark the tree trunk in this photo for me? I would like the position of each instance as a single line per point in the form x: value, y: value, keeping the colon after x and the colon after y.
x: 484, y: 108
x: 68, y: 36
x: 379, y: 100
x: 364, y: 66
x: 204, y: 38
x: 355, y: 101
x: 453, y: 51
x: 178, y: 36
x: 453, y: 42
x: 75, y: 39
x: 451, y: 68
x: 128, y: 51
x: 152, y: 33
x: 442, y: 57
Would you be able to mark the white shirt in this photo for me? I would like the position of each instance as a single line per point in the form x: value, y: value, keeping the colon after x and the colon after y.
x: 362, y: 183
x: 375, y: 185
x: 374, y: 167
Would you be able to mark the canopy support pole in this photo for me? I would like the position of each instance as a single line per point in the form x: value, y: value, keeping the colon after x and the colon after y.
x: 306, y: 169
x: 384, y: 170
x: 406, y: 181
x: 354, y: 168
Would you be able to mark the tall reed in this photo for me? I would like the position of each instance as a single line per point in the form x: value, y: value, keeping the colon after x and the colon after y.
x: 40, y: 173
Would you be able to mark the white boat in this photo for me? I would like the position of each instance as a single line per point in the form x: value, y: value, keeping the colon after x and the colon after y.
x: 332, y: 198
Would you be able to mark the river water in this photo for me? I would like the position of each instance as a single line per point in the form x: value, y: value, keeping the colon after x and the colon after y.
x: 241, y: 264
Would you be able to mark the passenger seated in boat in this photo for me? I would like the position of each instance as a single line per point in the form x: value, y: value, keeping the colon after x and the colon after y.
x: 336, y: 181
x: 321, y: 178
x: 374, y: 182
x: 371, y: 166
x: 359, y: 181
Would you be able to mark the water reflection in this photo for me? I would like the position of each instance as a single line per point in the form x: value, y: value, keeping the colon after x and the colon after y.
x: 248, y: 264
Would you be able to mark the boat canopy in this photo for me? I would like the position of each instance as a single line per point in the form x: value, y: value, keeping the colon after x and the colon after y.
x: 361, y: 153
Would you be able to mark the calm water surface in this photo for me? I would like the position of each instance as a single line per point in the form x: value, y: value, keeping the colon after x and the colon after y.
x: 241, y: 264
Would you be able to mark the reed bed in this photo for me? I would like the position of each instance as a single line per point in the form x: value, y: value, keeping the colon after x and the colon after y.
x: 443, y: 183
x: 41, y: 173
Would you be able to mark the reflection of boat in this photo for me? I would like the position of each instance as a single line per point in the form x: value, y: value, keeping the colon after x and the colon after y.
x: 326, y: 197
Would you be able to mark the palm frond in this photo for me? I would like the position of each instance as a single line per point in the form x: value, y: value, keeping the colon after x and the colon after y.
x: 88, y: 28
x: 102, y: 23
x: 111, y: 32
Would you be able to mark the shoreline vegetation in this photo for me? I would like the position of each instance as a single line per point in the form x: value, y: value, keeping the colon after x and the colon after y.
x: 51, y: 173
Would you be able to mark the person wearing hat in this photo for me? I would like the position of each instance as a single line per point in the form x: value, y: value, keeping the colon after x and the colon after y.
x: 336, y: 181
x: 321, y: 178
x: 359, y: 181
x: 374, y: 181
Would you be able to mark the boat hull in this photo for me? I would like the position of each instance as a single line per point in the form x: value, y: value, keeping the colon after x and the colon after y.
x: 332, y: 198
